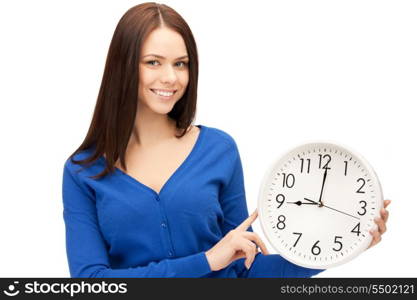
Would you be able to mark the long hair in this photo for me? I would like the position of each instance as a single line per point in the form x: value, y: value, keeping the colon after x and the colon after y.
x: 115, y: 111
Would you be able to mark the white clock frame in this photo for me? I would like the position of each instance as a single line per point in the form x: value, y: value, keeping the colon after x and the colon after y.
x: 271, y: 235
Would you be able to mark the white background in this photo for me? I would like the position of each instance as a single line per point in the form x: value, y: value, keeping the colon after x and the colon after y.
x: 273, y: 74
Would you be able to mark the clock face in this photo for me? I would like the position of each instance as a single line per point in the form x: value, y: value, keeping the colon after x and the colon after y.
x: 317, y: 204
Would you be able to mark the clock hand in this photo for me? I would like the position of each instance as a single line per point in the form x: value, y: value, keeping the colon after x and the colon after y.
x: 311, y: 201
x: 332, y: 208
x: 301, y: 203
x: 341, y: 212
x: 322, y: 186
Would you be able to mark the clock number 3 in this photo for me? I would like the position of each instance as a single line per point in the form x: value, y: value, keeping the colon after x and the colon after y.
x: 363, y: 207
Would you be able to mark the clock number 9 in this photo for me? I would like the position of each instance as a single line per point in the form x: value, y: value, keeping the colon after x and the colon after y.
x: 316, y: 249
x: 363, y: 207
x: 280, y: 202
x: 288, y: 180
x: 281, y: 222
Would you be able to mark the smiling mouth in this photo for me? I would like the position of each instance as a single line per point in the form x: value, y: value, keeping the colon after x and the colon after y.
x: 164, y: 93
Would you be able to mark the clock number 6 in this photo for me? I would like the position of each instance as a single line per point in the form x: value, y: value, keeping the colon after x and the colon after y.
x: 316, y: 249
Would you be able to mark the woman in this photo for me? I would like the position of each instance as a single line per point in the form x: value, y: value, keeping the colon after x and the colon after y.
x: 155, y: 195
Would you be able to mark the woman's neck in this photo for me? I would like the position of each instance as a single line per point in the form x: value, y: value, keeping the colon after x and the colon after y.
x: 151, y: 129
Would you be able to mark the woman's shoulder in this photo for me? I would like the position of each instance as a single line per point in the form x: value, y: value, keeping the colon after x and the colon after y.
x: 219, y: 136
x: 71, y: 165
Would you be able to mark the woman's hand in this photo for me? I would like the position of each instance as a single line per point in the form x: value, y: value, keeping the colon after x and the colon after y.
x: 237, y: 243
x: 382, y: 225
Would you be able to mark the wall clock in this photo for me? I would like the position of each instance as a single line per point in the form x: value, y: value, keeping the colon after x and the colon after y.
x: 317, y: 203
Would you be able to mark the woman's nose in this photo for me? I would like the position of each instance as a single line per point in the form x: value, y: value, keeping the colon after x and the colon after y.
x: 168, y: 75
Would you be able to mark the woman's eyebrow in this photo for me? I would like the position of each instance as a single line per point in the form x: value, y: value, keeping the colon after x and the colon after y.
x: 161, y: 57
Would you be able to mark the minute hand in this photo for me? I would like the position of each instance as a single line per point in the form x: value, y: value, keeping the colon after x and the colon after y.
x: 332, y: 208
x: 322, y: 186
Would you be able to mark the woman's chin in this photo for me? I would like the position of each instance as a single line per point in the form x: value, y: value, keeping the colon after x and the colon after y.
x: 161, y: 109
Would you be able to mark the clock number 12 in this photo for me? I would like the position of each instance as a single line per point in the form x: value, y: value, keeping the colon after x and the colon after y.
x: 329, y: 159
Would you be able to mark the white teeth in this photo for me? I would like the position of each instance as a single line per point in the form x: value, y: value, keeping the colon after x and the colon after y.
x: 162, y: 93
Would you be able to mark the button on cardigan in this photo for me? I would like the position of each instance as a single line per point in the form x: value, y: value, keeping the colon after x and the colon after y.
x: 118, y: 227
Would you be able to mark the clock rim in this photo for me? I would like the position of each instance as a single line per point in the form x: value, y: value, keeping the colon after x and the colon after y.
x: 379, y: 203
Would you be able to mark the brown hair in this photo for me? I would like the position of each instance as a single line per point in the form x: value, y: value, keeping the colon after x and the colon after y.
x: 116, y: 107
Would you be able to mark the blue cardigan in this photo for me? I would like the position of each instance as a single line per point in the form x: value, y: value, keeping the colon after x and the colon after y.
x: 118, y: 227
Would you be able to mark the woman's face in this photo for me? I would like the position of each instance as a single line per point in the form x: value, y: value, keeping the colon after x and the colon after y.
x: 163, y: 70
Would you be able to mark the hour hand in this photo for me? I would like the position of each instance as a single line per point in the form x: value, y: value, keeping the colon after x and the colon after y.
x: 311, y: 201
x: 299, y: 203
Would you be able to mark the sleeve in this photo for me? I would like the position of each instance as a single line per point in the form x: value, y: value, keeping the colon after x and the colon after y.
x: 275, y: 266
x: 294, y: 271
x: 86, y: 249
x: 232, y: 195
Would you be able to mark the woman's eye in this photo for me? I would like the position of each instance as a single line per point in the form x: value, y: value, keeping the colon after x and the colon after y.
x: 152, y: 62
x: 181, y: 64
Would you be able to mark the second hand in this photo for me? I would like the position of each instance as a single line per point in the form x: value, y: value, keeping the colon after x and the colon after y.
x: 332, y: 208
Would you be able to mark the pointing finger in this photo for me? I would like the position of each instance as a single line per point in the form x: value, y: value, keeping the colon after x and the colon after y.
x: 248, y: 222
